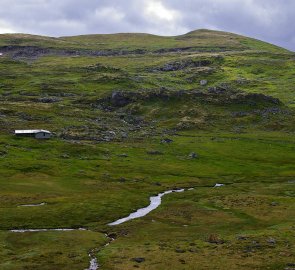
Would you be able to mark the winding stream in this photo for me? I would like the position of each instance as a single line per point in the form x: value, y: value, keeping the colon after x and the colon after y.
x: 93, y: 264
x: 155, y: 202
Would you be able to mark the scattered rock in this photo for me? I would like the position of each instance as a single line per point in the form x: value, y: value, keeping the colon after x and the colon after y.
x: 122, y: 180
x: 242, y: 237
x: 3, y: 153
x: 112, y: 235
x: 178, y: 250
x: 124, y: 135
x: 240, y: 114
x: 203, y: 82
x: 193, y: 250
x: 256, y: 244
x: 118, y: 99
x: 290, y: 266
x: 166, y: 140
x: 138, y: 259
x: 216, y: 90
x: 214, y: 239
x: 271, y: 241
x: 123, y: 155
x: 181, y: 65
x: 112, y: 133
x: 154, y: 152
x: 274, y: 204
x: 193, y: 155
x: 182, y: 261
x: 49, y: 99
x: 242, y: 81
x: 157, y: 184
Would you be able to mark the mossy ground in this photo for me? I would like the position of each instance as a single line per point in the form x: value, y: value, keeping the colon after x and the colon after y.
x: 91, y: 191
x: 89, y: 181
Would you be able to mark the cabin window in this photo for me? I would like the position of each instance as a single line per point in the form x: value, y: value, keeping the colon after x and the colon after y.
x: 44, y: 134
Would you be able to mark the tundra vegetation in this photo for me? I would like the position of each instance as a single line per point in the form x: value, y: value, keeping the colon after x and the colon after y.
x: 134, y: 115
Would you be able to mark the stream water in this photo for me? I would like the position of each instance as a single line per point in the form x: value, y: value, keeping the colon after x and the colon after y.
x: 32, y: 205
x: 46, y: 230
x: 155, y: 201
x: 93, y: 264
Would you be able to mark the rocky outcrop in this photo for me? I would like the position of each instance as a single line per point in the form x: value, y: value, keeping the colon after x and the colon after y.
x: 180, y: 65
x: 33, y: 52
x: 119, y: 99
x: 49, y: 99
x: 214, y: 95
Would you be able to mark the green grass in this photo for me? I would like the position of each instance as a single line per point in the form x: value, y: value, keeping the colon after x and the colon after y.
x: 99, y: 166
x: 88, y: 192
x: 47, y: 250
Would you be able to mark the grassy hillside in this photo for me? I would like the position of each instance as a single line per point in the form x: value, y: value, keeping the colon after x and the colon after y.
x: 202, y: 40
x: 127, y: 112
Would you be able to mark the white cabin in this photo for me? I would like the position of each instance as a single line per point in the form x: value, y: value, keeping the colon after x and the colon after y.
x: 36, y: 133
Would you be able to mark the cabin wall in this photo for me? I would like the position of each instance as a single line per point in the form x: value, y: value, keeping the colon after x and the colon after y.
x: 25, y: 135
x: 42, y: 135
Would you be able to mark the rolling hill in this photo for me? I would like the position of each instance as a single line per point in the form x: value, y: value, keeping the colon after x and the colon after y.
x: 134, y: 115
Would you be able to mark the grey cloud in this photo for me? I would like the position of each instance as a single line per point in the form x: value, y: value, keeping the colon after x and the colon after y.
x: 269, y: 20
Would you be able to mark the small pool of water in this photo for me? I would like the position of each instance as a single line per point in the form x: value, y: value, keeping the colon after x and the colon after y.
x: 32, y: 205
x: 46, y: 230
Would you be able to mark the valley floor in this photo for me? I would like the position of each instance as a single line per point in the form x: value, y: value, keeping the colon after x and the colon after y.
x: 246, y: 224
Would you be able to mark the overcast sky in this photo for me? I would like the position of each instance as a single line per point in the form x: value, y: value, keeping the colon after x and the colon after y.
x: 269, y: 20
